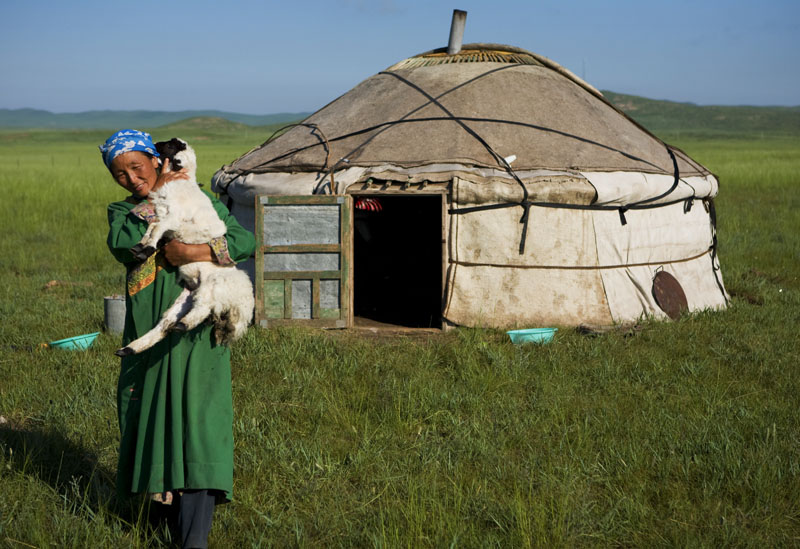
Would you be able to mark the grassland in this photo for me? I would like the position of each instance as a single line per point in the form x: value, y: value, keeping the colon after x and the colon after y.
x: 674, y: 434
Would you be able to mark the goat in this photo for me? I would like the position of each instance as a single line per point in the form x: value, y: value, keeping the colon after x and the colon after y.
x: 186, y: 213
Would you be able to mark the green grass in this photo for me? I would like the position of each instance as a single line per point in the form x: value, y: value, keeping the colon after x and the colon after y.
x: 675, y: 434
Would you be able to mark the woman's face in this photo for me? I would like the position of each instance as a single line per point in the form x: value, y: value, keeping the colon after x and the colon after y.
x: 135, y: 172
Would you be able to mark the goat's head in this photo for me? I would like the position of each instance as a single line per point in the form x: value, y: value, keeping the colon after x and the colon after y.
x: 181, y: 155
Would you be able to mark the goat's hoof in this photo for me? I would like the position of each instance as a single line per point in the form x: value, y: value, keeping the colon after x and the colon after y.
x: 125, y: 351
x: 179, y: 327
x: 191, y: 284
x: 146, y: 252
x: 142, y: 253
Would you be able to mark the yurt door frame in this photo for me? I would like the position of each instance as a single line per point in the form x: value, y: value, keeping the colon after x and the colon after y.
x: 303, y: 260
x: 429, y: 193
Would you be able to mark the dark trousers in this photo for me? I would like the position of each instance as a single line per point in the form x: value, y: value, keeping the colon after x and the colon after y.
x: 195, y: 511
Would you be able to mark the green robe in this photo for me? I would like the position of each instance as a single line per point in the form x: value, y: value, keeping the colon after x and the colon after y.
x: 174, y: 400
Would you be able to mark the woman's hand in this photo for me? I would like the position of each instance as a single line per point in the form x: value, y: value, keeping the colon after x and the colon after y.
x: 177, y: 253
x: 166, y: 176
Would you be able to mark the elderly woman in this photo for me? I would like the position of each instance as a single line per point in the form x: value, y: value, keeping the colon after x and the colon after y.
x: 174, y: 401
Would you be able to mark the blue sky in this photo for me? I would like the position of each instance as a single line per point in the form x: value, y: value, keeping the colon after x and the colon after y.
x: 263, y: 57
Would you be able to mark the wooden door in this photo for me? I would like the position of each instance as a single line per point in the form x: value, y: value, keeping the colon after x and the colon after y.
x: 303, y: 260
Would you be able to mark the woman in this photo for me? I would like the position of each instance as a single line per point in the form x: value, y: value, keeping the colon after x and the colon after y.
x: 174, y: 400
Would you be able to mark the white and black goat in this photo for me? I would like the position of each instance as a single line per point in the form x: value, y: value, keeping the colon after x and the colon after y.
x: 223, y: 293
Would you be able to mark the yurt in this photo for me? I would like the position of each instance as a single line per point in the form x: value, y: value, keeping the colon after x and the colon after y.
x: 484, y: 187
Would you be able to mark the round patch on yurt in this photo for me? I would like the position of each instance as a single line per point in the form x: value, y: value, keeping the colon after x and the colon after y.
x: 669, y: 295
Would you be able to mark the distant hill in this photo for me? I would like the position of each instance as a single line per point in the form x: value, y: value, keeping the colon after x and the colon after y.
x: 669, y: 117
x: 664, y: 118
x: 205, y: 123
x: 109, y: 120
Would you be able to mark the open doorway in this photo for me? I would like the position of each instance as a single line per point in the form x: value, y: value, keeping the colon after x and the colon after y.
x: 397, y: 260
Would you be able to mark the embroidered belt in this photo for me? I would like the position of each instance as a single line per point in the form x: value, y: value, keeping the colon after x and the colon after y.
x: 144, y: 274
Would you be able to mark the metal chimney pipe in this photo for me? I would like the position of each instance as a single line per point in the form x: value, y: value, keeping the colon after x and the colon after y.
x: 456, y: 31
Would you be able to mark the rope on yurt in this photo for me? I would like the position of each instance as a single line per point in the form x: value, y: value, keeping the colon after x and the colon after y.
x: 391, y: 123
x: 677, y: 180
x: 583, y: 267
x: 314, y: 127
x: 715, y: 267
x: 640, y: 205
x: 525, y: 203
x: 277, y: 133
x: 635, y: 206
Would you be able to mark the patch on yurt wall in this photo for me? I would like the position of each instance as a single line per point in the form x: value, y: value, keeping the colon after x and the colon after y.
x: 551, y: 187
x: 669, y: 295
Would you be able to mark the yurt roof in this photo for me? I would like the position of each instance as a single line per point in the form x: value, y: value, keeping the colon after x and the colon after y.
x: 485, y: 103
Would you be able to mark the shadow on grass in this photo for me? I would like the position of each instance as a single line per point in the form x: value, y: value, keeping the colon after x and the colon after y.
x: 86, y: 487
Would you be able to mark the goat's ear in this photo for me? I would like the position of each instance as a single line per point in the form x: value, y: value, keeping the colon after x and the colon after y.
x: 178, y: 144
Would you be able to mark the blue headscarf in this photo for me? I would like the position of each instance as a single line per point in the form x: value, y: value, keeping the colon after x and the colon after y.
x: 125, y: 141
